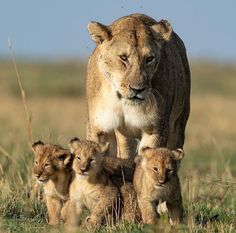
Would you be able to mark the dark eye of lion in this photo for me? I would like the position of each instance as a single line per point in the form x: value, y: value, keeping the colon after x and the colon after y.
x: 123, y: 57
x: 149, y: 59
x: 78, y: 158
x: 62, y: 157
x: 91, y: 160
x: 35, y: 162
x: 169, y: 172
x: 46, y: 165
x: 155, y: 169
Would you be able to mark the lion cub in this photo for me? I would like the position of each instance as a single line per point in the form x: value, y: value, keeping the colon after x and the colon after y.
x: 91, y: 187
x: 156, y: 180
x: 52, y: 168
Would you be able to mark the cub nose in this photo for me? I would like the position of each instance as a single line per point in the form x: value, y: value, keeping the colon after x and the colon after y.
x: 162, y: 180
x: 83, y: 169
x: 137, y: 89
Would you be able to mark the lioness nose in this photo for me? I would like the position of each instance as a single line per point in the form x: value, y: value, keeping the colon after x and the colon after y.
x: 137, y: 89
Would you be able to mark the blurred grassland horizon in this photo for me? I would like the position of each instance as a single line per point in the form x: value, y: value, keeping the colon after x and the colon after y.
x: 55, y: 94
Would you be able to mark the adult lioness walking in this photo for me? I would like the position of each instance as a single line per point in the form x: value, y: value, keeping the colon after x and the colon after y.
x: 138, y: 85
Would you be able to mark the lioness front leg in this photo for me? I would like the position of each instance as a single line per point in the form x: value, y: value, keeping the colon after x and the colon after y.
x: 54, y: 206
x: 150, y: 140
x: 148, y: 211
x: 126, y: 147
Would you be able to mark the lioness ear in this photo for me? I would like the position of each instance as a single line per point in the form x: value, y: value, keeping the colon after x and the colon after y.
x: 74, y: 144
x: 178, y: 154
x: 37, y: 147
x: 99, y: 32
x: 163, y: 30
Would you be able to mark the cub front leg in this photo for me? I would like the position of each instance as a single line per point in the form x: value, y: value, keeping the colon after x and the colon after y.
x: 148, y: 211
x: 175, y: 212
x: 54, y: 206
x: 102, y: 211
x: 71, y: 213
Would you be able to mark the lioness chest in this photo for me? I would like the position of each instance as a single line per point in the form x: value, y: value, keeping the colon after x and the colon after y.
x: 111, y: 113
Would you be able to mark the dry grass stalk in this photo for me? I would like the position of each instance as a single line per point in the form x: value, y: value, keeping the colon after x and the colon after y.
x: 28, y: 116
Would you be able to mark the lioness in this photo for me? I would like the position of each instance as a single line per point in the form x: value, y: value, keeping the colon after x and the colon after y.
x: 138, y: 85
x: 156, y: 180
x: 52, y: 168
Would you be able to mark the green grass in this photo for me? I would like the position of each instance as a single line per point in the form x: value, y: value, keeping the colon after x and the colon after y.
x: 55, y: 95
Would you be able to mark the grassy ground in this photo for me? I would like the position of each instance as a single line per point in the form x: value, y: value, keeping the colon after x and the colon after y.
x: 55, y: 94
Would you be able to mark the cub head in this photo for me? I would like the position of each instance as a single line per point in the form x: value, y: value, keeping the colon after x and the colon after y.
x: 129, y: 54
x: 49, y: 160
x: 88, y: 156
x: 160, y: 164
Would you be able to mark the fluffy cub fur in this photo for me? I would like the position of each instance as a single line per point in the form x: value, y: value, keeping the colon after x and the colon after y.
x: 91, y: 187
x: 156, y: 180
x: 52, y: 169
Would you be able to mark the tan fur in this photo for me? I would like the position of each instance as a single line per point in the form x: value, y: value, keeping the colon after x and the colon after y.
x: 91, y: 187
x: 137, y: 53
x: 155, y: 181
x: 52, y: 169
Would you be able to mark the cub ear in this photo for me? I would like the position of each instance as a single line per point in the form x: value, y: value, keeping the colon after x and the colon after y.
x: 65, y: 156
x: 99, y: 32
x: 145, y: 152
x: 37, y: 147
x: 138, y: 159
x: 162, y: 30
x: 104, y: 148
x: 178, y: 154
x: 74, y: 144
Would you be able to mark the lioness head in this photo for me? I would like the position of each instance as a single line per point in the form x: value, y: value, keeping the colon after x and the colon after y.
x: 129, y: 54
x: 49, y: 160
x: 88, y: 156
x: 161, y: 164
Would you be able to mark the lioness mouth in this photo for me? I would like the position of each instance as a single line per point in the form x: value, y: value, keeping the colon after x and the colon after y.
x: 136, y: 98
x: 132, y: 98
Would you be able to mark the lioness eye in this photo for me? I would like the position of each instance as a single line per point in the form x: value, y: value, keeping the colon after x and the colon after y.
x: 35, y: 162
x: 46, y: 165
x: 91, y: 160
x: 78, y: 158
x: 155, y: 169
x: 123, y: 57
x: 149, y: 59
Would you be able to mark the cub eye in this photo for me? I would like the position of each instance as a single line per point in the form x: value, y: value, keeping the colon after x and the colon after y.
x: 91, y: 160
x: 78, y: 158
x: 46, y: 165
x: 123, y: 57
x: 169, y: 172
x: 155, y: 169
x: 35, y: 162
x: 149, y: 59
x: 62, y: 157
